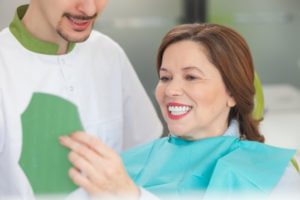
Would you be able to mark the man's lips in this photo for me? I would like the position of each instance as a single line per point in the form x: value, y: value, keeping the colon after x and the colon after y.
x: 80, y: 23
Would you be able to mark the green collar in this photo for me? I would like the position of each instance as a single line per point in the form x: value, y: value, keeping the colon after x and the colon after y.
x: 28, y: 40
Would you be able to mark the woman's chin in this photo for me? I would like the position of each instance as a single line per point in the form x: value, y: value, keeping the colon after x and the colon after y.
x: 182, y: 135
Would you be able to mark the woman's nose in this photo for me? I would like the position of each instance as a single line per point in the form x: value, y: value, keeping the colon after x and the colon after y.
x: 174, y: 88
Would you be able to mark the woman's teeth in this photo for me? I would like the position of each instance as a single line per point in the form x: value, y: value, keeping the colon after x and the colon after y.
x: 179, y: 110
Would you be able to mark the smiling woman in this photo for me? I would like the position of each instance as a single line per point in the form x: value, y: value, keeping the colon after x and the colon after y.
x: 226, y: 67
x: 206, y: 94
x: 189, y: 80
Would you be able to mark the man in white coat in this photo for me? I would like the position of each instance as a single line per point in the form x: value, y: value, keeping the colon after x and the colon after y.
x: 50, y: 57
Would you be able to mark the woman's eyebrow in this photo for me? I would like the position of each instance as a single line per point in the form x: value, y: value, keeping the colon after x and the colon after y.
x: 192, y: 68
x: 163, y: 69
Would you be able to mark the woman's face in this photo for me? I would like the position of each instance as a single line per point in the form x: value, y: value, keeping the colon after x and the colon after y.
x: 191, y: 93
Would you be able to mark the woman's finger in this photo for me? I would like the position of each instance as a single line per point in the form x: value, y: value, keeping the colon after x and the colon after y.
x: 93, y: 143
x: 82, y: 149
x: 95, y: 175
x: 81, y: 180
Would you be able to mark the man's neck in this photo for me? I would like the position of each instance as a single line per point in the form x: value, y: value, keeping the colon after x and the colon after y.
x: 63, y: 49
x: 33, y: 21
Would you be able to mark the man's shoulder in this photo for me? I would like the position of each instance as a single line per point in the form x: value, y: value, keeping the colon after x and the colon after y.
x: 4, y: 34
x: 7, y: 40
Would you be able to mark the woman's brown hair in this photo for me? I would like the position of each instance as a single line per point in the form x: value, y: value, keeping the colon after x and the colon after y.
x: 229, y: 52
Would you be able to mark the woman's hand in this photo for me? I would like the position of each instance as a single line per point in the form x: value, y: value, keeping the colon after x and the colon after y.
x: 97, y: 168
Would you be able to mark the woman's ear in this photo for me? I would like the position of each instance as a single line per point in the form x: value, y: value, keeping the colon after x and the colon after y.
x: 231, y: 102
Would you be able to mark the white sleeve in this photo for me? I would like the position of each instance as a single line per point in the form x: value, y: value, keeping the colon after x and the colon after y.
x: 141, y: 123
x: 2, y: 114
x: 81, y: 194
x: 289, y: 185
x: 146, y: 195
x: 2, y: 124
x: 78, y: 194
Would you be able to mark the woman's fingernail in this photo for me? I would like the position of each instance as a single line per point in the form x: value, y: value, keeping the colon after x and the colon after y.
x: 62, y: 138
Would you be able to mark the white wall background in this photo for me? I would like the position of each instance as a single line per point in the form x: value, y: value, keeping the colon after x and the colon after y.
x: 272, y: 29
x: 7, y: 11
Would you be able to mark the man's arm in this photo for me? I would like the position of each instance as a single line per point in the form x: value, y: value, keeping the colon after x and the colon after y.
x: 141, y: 122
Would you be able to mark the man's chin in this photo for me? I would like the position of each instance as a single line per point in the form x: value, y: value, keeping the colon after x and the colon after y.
x: 75, y: 36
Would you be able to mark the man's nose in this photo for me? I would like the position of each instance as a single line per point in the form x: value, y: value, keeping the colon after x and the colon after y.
x: 88, y: 7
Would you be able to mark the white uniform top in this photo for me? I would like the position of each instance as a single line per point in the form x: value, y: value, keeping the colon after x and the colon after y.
x: 95, y: 75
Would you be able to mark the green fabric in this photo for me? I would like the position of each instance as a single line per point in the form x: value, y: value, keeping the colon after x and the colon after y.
x: 258, y: 112
x: 28, y: 40
x: 295, y: 164
x: 218, y: 165
x: 43, y: 159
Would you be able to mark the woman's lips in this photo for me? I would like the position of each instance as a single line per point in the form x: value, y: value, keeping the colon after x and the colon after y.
x: 177, y: 111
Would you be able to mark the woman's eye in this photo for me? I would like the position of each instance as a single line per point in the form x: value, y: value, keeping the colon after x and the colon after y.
x: 190, y: 77
x: 164, y: 78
